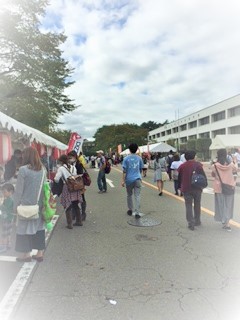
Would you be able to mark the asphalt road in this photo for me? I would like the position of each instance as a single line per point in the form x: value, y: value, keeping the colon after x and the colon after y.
x: 111, y: 270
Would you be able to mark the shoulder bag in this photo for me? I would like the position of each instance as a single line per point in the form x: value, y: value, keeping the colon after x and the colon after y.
x: 86, y: 178
x: 30, y: 212
x: 227, y: 189
x: 74, y: 183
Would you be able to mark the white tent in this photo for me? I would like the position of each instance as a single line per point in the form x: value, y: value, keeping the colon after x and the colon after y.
x: 32, y: 134
x: 161, y: 146
x: 229, y: 141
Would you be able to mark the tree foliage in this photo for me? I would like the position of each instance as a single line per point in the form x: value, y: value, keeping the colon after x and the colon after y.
x: 151, y: 125
x: 111, y: 136
x: 61, y: 135
x: 33, y: 74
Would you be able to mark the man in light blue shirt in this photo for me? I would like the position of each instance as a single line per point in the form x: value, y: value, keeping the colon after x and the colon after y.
x: 132, y: 178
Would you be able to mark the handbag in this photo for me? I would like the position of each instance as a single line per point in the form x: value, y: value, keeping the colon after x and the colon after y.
x: 227, y: 189
x: 86, y: 178
x: 74, y: 183
x: 198, y: 180
x: 30, y: 212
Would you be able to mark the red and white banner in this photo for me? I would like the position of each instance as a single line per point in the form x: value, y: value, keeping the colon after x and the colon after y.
x: 75, y: 143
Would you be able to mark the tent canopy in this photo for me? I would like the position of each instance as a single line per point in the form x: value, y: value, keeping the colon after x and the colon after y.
x: 155, y: 147
x: 9, y: 123
x: 163, y: 147
x: 225, y: 141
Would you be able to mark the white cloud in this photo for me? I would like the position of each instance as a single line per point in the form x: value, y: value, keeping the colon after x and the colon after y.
x: 165, y: 55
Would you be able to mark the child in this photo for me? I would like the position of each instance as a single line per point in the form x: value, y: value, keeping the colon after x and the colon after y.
x: 7, y: 216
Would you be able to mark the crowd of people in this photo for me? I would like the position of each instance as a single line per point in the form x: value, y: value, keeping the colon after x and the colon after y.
x: 29, y: 173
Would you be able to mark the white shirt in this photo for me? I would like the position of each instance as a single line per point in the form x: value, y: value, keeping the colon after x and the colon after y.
x: 64, y: 172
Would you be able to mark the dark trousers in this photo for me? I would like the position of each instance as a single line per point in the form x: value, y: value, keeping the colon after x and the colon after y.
x: 193, y: 198
x: 176, y: 186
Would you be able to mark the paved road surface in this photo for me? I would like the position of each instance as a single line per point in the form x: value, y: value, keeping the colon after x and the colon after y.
x: 110, y: 270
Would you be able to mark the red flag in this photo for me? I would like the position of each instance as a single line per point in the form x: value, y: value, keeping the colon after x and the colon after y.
x: 75, y: 143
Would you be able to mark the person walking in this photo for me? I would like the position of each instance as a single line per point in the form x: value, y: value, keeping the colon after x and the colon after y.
x: 101, y: 180
x: 160, y: 167
x: 192, y: 195
x: 145, y: 164
x: 169, y: 160
x: 69, y: 200
x: 30, y: 234
x: 132, y: 177
x: 13, y: 165
x: 223, y: 172
x: 73, y: 160
x: 7, y: 216
x: 174, y: 167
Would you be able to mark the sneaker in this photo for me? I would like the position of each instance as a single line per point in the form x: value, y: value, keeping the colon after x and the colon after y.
x: 227, y: 228
x: 104, y: 191
x: 129, y: 212
x: 137, y: 216
x: 100, y: 191
x: 191, y: 227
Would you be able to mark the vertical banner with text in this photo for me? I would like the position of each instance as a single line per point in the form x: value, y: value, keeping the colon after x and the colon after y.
x: 75, y: 143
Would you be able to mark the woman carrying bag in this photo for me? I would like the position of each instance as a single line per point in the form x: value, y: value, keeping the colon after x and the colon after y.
x: 73, y: 160
x: 69, y: 199
x: 30, y: 233
x: 223, y: 173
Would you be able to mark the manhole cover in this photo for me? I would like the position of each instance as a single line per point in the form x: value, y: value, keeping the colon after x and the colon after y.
x: 144, y: 222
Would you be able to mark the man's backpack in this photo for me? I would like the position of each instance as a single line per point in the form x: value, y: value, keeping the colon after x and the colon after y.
x: 107, y: 167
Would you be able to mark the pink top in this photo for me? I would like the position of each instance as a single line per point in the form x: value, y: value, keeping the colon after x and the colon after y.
x: 226, y: 173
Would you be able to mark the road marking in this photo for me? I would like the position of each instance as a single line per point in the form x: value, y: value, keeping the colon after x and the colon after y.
x: 209, y: 212
x: 13, y: 294
x: 110, y: 183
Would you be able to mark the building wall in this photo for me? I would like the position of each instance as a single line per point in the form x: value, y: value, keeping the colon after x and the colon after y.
x: 220, y: 118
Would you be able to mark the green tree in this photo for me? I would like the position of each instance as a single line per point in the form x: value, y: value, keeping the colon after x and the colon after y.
x: 61, y: 135
x: 33, y: 74
x: 202, y: 146
x: 191, y: 144
x: 151, y: 125
x: 111, y: 136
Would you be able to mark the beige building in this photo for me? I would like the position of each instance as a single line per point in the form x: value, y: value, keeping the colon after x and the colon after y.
x: 222, y: 118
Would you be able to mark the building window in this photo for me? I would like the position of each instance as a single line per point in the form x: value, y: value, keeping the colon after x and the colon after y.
x: 218, y: 116
x: 158, y: 135
x: 183, y: 127
x: 154, y: 136
x: 234, y: 112
x: 204, y: 135
x: 183, y: 139
x: 203, y: 121
x: 192, y: 124
x: 169, y: 131
x: 175, y: 129
x: 234, y: 130
x: 193, y: 137
x: 216, y: 132
x: 163, y: 133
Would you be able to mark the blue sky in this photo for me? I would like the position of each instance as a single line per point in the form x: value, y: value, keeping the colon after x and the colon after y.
x: 141, y: 60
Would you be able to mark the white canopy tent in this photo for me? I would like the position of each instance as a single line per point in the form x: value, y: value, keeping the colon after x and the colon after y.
x: 155, y: 147
x: 10, y: 124
x: 163, y: 147
x: 229, y: 141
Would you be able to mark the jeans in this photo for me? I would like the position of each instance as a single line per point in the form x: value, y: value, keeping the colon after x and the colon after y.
x: 136, y: 188
x: 101, y: 180
x: 193, y: 197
